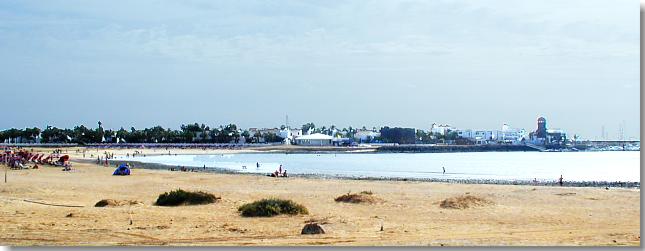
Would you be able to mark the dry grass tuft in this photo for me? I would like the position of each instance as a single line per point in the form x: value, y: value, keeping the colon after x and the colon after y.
x: 322, y: 221
x: 362, y: 197
x: 180, y: 197
x: 116, y: 203
x: 272, y: 207
x: 463, y: 202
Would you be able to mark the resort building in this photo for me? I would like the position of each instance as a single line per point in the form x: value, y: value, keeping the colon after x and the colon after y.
x: 441, y: 129
x: 482, y: 137
x: 509, y: 135
x: 316, y: 139
x: 286, y: 135
x: 467, y: 134
x: 289, y: 135
x: 556, y: 137
x: 366, y: 135
x: 547, y: 137
x: 296, y: 132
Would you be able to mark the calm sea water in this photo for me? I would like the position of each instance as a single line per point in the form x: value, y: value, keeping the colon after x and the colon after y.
x: 574, y: 166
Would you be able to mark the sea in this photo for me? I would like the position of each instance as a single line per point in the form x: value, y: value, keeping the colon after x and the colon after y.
x: 611, y: 166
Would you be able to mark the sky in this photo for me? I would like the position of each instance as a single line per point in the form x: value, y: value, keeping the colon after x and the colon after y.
x: 469, y: 64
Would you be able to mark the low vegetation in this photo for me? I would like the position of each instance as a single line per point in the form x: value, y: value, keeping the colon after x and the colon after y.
x: 362, y: 197
x: 181, y: 197
x: 115, y: 203
x: 463, y: 202
x: 271, y: 207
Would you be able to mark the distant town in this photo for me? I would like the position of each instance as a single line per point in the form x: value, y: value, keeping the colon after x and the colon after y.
x: 542, y: 138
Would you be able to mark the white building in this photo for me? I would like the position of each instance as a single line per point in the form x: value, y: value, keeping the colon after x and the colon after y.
x: 484, y: 136
x: 467, y: 134
x: 366, y: 135
x: 316, y: 139
x: 440, y: 129
x: 289, y: 135
x: 296, y: 132
x: 511, y: 135
x: 286, y: 135
x: 507, y: 135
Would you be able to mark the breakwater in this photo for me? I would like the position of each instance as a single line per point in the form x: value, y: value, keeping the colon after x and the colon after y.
x: 454, y: 148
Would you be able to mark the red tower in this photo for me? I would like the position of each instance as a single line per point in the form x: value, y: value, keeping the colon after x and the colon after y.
x: 541, y: 128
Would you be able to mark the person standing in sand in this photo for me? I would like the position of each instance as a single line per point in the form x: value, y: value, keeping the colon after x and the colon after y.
x: 444, y: 170
x: 561, y: 183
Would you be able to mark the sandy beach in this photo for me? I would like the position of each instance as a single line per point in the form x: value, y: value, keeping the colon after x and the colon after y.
x: 47, y: 206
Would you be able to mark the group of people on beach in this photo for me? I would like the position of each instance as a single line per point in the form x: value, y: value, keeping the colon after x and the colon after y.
x: 184, y: 169
x: 280, y: 173
x: 105, y: 161
x: 18, y: 158
x: 135, y: 153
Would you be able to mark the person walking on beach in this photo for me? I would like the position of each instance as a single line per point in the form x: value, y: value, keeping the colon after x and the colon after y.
x: 561, y: 180
x: 257, y: 164
x: 444, y: 170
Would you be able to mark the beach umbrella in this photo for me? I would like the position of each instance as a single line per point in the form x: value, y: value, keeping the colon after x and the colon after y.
x: 64, y: 158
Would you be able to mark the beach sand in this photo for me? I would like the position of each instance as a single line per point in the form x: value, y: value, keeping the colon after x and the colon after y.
x: 410, y: 212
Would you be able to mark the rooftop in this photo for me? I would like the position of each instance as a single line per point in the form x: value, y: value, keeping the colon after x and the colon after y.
x: 316, y: 136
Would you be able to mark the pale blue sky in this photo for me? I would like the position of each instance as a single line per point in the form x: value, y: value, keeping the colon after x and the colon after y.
x: 471, y: 64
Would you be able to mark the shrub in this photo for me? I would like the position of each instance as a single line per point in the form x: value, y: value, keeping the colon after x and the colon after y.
x: 362, y: 197
x: 181, y: 197
x: 463, y: 202
x: 271, y: 207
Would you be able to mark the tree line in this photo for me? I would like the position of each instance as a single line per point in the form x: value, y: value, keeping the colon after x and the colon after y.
x: 157, y: 134
x: 201, y: 133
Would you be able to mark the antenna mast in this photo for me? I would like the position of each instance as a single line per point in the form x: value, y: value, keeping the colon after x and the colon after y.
x: 287, y: 121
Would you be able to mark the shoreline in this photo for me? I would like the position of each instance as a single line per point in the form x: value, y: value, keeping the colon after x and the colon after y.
x: 597, y: 184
